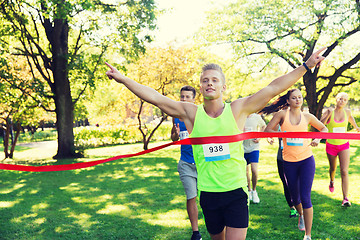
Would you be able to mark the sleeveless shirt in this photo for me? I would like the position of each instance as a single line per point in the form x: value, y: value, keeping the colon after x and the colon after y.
x: 337, y: 127
x: 295, y: 149
x: 221, y: 167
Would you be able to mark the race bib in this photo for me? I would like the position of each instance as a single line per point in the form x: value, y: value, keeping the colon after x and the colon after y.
x: 216, y: 152
x: 183, y: 135
x: 339, y: 130
x: 294, y: 141
x: 248, y: 129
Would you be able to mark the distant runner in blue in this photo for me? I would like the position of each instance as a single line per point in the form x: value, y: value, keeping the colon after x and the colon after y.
x: 186, y: 166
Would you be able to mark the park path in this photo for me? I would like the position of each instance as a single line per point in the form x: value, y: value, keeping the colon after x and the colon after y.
x: 43, y: 144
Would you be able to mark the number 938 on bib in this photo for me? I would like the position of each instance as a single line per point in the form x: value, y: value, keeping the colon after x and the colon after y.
x: 216, y: 152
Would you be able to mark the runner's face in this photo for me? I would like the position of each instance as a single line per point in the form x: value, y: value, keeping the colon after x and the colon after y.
x: 211, y: 84
x: 187, y: 96
x: 341, y: 101
x: 296, y: 99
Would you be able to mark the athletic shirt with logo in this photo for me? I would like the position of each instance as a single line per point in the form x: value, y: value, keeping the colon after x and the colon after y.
x: 220, y: 167
x: 295, y: 149
x: 186, y: 150
x: 337, y: 127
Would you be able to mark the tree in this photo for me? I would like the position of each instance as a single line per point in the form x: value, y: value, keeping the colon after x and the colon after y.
x: 64, y: 42
x: 267, y: 33
x: 164, y: 69
x: 16, y: 106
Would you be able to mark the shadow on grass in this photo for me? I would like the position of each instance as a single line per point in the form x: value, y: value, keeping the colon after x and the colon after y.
x: 136, y: 198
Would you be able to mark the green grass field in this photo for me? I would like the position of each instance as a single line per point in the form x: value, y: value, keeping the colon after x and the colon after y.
x: 142, y: 198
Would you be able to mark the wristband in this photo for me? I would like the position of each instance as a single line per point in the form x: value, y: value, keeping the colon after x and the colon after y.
x: 306, y: 67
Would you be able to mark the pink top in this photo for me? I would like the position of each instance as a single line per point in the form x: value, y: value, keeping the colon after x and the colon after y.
x: 295, y: 149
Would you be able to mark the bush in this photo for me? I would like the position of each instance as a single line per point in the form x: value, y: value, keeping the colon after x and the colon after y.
x: 86, y: 137
x: 39, y: 135
x: 357, y: 120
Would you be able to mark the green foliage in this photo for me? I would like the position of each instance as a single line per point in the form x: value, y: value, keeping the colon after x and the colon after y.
x: 356, y: 116
x: 16, y: 90
x: 270, y: 38
x: 88, y: 137
x: 65, y: 43
x: 46, y: 135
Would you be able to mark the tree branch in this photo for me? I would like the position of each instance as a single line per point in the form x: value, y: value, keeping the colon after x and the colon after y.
x: 92, y: 75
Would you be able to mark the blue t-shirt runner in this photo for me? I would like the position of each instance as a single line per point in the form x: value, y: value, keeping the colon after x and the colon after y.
x: 186, y: 150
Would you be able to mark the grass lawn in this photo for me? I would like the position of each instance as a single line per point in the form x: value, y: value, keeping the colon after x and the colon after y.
x: 142, y: 198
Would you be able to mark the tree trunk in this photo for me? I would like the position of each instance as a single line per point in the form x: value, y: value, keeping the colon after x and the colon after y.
x: 311, y: 94
x: 146, y: 143
x: 13, y: 143
x: 145, y: 146
x: 63, y: 99
x: 6, y: 139
x: 146, y: 140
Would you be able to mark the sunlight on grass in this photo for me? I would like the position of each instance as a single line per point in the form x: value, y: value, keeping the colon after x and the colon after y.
x: 178, y: 199
x: 133, y: 204
x: 7, y: 204
x: 326, y: 215
x: 97, y: 200
x: 14, y: 188
x: 83, y: 220
x: 172, y: 214
x: 121, y: 196
x: 61, y: 229
x: 105, y: 198
x: 116, y: 150
x: 117, y: 175
x: 39, y: 221
x: 139, y: 191
x: 161, y: 166
x: 172, y: 217
x: 80, y: 200
x: 148, y: 171
x: 352, y: 228
x: 118, y: 208
x: 72, y: 187
x: 34, y: 191
x: 24, y: 218
x: 259, y: 217
x: 39, y: 206
x: 33, y: 154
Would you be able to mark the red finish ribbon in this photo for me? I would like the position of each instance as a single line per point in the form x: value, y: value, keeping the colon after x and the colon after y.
x: 193, y: 141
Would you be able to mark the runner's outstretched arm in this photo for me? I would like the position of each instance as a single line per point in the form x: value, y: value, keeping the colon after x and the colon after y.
x: 169, y: 106
x: 257, y: 101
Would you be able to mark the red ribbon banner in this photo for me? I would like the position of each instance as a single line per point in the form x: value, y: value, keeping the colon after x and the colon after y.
x: 188, y: 141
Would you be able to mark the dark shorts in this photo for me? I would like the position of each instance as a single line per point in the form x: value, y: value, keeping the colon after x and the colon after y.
x: 222, y: 209
x: 252, y: 157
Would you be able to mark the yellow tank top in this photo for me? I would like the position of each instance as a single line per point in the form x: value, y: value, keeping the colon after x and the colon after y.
x: 337, y: 127
x: 220, y: 167
x: 295, y: 149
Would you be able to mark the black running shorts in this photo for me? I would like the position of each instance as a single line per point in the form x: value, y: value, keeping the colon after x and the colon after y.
x: 222, y: 209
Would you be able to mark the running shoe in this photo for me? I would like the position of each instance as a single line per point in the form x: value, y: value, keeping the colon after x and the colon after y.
x: 255, y: 197
x: 331, y: 186
x: 301, y: 224
x: 307, y: 237
x: 250, y: 195
x: 293, y: 213
x: 346, y: 203
x: 196, y: 236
